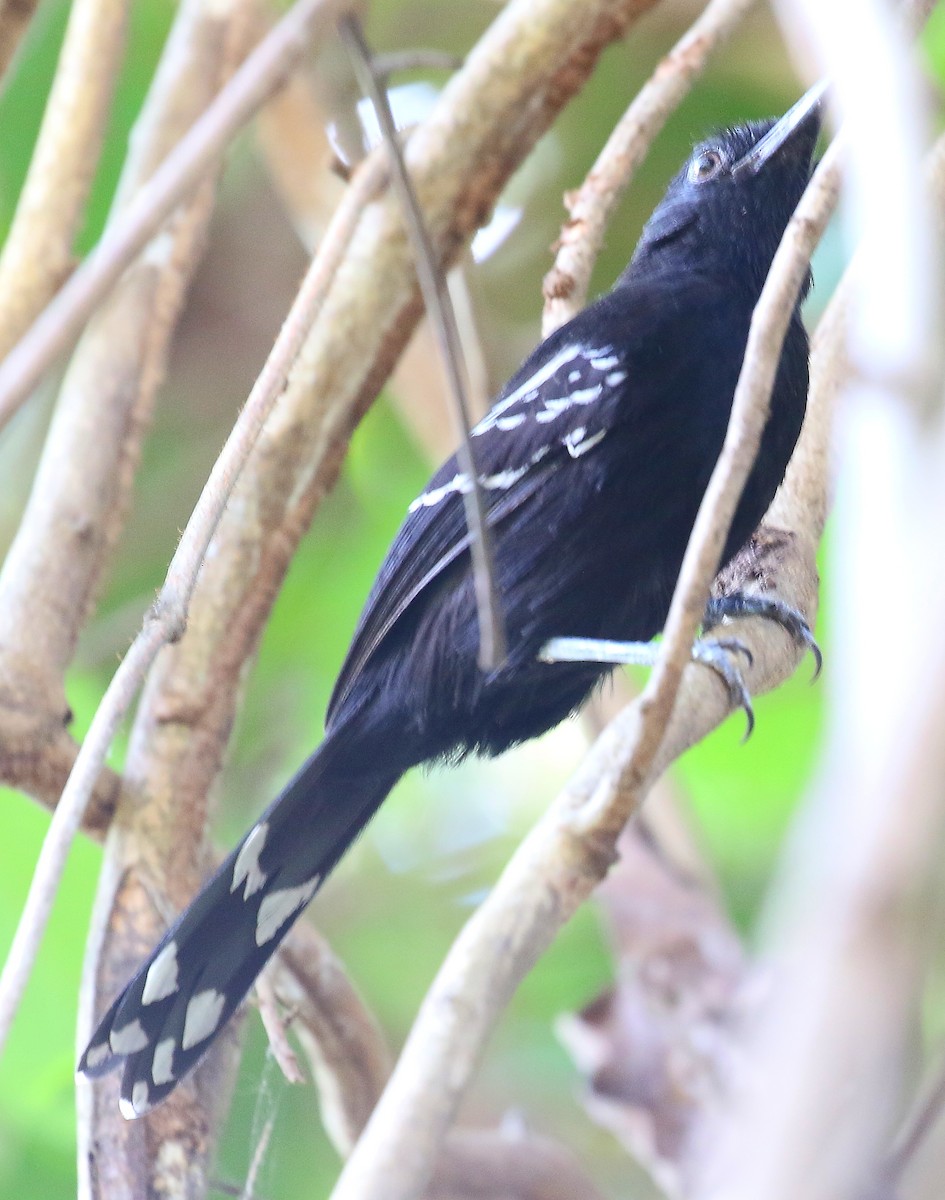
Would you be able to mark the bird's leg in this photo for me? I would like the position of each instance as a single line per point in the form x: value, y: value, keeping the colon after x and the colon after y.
x: 711, y: 652
x: 743, y: 604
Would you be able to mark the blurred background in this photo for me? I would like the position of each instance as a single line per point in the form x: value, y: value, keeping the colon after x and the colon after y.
x: 395, y: 904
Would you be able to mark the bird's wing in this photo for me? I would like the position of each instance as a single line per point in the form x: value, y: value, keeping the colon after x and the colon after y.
x: 556, y: 408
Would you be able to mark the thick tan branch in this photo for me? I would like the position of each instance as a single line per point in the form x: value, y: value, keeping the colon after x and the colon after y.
x: 38, y: 253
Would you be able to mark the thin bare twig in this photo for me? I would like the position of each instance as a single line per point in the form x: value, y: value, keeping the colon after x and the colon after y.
x: 593, y: 204
x: 259, y: 1154
x: 195, y: 155
x: 67, y: 819
x: 277, y: 1030
x: 338, y: 1033
x: 38, y: 253
x: 492, y: 640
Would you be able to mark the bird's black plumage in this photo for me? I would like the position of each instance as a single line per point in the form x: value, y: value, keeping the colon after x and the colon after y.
x: 593, y: 462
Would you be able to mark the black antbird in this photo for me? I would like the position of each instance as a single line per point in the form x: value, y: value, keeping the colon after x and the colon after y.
x: 593, y: 462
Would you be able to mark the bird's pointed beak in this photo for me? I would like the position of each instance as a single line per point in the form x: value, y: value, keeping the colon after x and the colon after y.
x: 799, y: 128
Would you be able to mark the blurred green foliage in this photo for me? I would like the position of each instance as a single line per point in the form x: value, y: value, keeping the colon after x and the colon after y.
x: 399, y: 898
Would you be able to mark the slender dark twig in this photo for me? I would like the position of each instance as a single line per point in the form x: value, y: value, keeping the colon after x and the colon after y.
x: 492, y: 644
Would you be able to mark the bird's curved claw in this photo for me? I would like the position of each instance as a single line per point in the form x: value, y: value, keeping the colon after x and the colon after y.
x: 793, y: 622
x: 716, y: 653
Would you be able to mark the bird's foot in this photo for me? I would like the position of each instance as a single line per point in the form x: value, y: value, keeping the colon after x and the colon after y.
x: 741, y: 604
x: 715, y: 653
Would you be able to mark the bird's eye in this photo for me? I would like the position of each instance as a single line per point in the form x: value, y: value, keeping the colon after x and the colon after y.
x: 706, y: 166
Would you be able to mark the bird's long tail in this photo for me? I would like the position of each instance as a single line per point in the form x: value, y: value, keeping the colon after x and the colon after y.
x: 165, y: 1020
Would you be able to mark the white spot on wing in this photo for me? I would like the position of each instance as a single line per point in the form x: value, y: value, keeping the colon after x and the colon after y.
x: 503, y: 479
x: 162, y: 1065
x: 129, y: 1038
x: 459, y: 483
x: 531, y: 385
x: 556, y: 405
x: 607, y: 360
x: 507, y: 423
x: 202, y: 1017
x: 161, y: 980
x: 615, y: 377
x: 247, y: 861
x: 277, y: 907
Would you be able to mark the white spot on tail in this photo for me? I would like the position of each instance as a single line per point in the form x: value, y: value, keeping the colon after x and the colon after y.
x: 96, y: 1055
x: 202, y: 1017
x: 277, y: 907
x: 162, y: 1065
x: 161, y: 980
x: 247, y: 861
x: 129, y: 1038
x: 138, y: 1105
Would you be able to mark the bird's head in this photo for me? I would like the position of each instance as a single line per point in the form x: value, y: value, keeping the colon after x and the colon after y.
x: 728, y: 207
